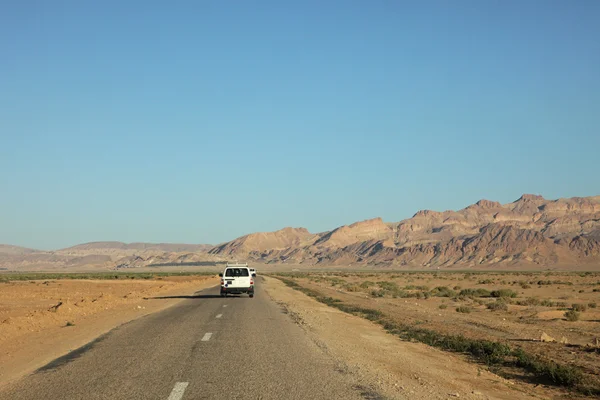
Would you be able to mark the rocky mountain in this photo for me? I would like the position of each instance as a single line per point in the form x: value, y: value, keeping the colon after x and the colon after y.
x: 529, y: 231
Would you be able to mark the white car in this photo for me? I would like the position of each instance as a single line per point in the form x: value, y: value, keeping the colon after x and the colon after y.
x: 252, y: 272
x: 237, y: 279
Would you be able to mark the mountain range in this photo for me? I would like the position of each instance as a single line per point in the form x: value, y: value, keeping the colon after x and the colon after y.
x: 529, y: 232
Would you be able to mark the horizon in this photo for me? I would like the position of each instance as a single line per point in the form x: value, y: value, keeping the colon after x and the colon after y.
x: 200, y: 123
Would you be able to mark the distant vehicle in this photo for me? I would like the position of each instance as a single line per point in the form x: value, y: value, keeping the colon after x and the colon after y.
x: 237, y: 279
x: 252, y: 271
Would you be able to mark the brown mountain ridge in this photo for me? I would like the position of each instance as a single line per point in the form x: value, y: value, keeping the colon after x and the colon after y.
x: 529, y: 232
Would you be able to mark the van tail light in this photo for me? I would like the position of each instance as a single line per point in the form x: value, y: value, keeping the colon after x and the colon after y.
x: 252, y: 281
x: 222, y: 282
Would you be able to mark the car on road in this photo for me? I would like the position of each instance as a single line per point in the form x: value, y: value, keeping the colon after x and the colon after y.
x: 237, y: 279
x: 252, y: 271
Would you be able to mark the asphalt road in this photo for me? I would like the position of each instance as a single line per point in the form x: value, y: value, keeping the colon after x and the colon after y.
x: 205, y: 347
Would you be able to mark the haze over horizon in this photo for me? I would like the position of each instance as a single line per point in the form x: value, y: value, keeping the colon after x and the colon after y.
x: 199, y: 123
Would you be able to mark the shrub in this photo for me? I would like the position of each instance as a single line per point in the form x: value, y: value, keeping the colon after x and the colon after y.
x: 443, y: 306
x: 463, y: 309
x: 69, y: 323
x: 530, y: 301
x: 387, y: 285
x: 547, y: 303
x: 443, y: 291
x: 475, y: 292
x: 486, y: 282
x: 579, y: 307
x: 457, y: 287
x: 592, y: 304
x: 572, y: 315
x: 563, y: 375
x: 377, y: 292
x: 498, y: 305
x: 504, y: 293
x: 366, y: 284
x: 525, y: 286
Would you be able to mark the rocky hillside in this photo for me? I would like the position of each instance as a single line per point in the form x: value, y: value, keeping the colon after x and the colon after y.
x: 529, y: 231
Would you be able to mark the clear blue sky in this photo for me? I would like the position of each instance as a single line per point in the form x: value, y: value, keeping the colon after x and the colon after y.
x: 200, y: 121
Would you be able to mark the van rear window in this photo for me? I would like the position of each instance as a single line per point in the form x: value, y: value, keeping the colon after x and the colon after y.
x: 237, y: 272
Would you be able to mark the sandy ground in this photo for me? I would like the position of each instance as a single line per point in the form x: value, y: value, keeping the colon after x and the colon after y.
x: 35, y: 329
x: 399, y: 369
x: 519, y: 325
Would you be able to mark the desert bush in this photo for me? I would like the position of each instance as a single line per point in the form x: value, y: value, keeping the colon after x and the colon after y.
x: 596, y: 290
x: 377, y: 292
x: 463, y: 309
x: 563, y: 375
x: 579, y: 307
x: 547, y: 303
x: 443, y: 306
x: 498, y: 305
x: 387, y: 285
x: 366, y: 284
x: 443, y: 291
x: 456, y: 287
x: 352, y: 287
x: 525, y: 286
x: 503, y: 293
x: 592, y: 304
x: 572, y: 315
x: 530, y: 301
x: 479, y: 292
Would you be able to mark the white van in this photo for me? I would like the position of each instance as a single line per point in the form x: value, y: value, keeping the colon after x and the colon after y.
x: 237, y: 279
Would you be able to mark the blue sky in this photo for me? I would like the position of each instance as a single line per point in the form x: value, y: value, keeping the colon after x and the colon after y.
x: 200, y: 121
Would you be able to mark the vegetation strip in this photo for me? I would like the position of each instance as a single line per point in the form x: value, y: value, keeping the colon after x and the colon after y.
x: 7, y: 277
x: 490, y: 352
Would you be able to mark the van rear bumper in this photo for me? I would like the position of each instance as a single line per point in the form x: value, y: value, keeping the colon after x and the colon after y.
x: 237, y: 290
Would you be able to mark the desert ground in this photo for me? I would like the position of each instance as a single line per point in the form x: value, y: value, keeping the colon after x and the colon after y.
x: 553, y: 316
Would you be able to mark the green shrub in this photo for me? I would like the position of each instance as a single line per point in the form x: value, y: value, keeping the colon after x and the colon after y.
x: 562, y: 375
x: 503, y: 293
x: 377, y: 292
x: 592, y: 304
x: 498, y: 305
x: 475, y: 293
x: 366, y: 284
x: 530, y: 301
x: 579, y: 307
x: 443, y: 291
x: 572, y: 315
x: 547, y: 303
x: 463, y: 309
x: 443, y: 306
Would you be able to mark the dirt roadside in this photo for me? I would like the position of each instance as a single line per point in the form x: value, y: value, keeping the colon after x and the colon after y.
x: 396, y: 368
x: 43, y: 320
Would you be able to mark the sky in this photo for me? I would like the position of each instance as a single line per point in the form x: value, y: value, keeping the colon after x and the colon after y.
x: 201, y: 121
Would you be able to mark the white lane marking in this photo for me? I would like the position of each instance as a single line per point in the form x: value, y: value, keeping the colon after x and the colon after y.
x: 178, y: 391
x: 206, y: 337
x: 224, y: 305
x: 219, y: 315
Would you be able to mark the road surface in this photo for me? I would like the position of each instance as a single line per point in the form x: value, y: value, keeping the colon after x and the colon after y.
x: 205, y: 347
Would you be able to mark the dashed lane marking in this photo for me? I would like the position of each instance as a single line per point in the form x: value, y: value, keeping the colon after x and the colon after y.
x: 178, y: 391
x: 206, y: 337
